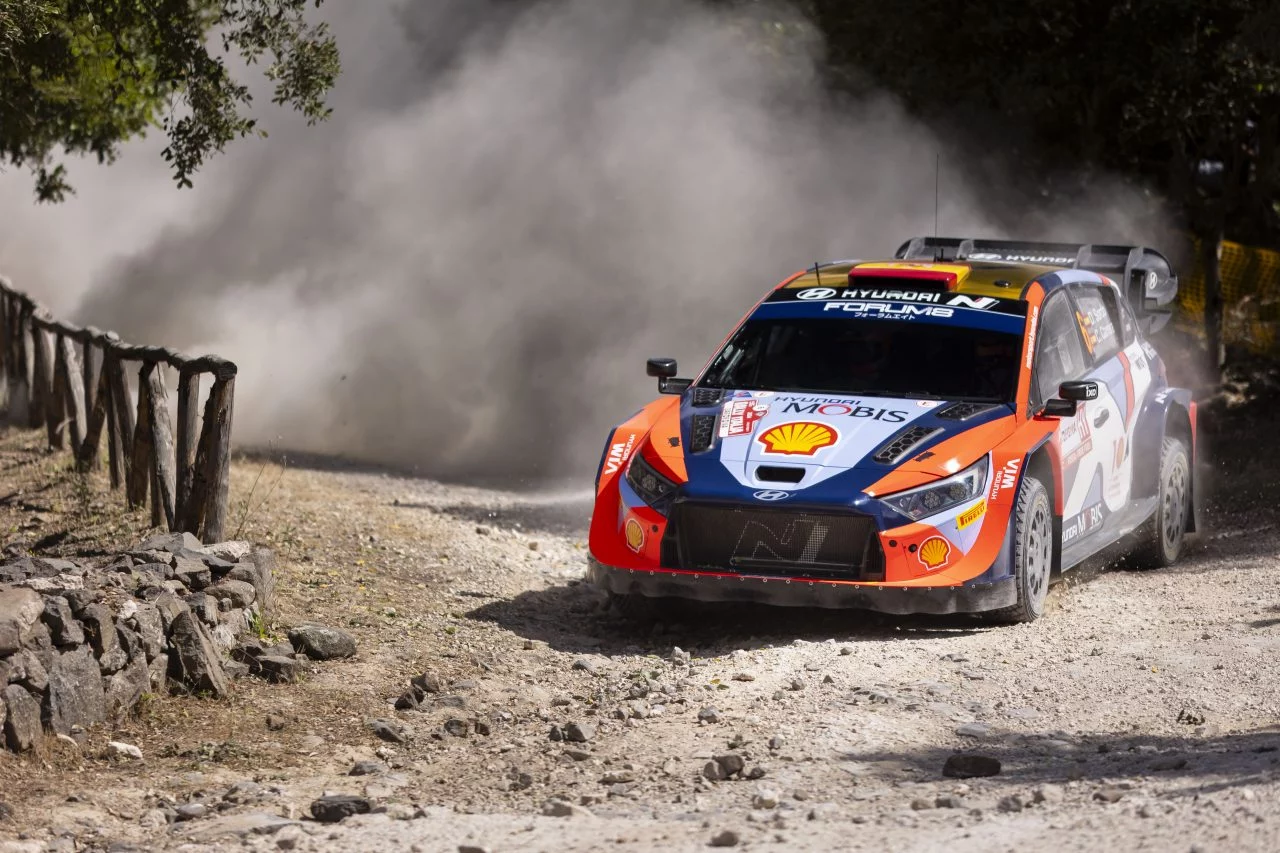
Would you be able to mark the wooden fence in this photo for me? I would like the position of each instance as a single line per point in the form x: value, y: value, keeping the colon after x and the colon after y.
x: 72, y: 381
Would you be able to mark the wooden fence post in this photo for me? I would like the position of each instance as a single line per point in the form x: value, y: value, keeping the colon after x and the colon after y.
x: 121, y: 406
x: 140, y: 472
x: 50, y: 404
x: 211, y: 477
x: 19, y: 387
x: 72, y: 380
x: 88, y: 366
x: 162, y: 462
x: 35, y: 399
x: 185, y: 452
x: 87, y: 457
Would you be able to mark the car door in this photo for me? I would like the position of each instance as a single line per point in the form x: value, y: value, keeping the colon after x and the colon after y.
x: 1061, y: 356
x: 1110, y: 416
x: 1129, y: 379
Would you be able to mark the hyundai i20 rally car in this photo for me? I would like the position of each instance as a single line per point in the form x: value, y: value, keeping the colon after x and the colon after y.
x: 946, y: 431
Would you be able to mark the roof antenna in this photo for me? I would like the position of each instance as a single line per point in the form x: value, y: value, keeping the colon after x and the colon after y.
x: 817, y: 273
x: 937, y: 171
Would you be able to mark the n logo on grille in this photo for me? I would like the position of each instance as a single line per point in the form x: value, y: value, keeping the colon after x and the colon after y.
x: 797, y: 542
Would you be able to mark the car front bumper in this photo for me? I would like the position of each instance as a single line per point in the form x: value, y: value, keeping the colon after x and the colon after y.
x: 802, y: 592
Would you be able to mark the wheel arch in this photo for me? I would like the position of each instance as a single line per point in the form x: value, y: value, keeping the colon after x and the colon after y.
x: 1041, y: 464
x: 1179, y: 422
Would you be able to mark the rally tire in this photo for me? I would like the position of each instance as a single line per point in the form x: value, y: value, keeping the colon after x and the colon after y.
x: 1032, y: 552
x: 1164, y: 535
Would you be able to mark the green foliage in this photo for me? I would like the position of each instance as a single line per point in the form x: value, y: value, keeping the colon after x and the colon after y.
x: 1151, y: 88
x: 83, y: 76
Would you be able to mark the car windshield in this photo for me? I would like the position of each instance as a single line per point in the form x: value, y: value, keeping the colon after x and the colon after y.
x: 869, y: 357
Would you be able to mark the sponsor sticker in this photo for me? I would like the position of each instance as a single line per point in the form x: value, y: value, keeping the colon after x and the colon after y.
x: 635, y: 535
x: 771, y: 495
x: 798, y: 438
x: 969, y: 516
x: 841, y: 408
x: 619, y: 453
x: 741, y: 416
x: 1031, y: 334
x: 1006, y: 477
x: 817, y: 293
x: 1084, y: 522
x: 1076, y: 440
x: 928, y: 404
x: 934, y: 552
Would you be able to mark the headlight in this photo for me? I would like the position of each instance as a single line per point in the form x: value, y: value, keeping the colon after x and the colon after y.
x: 924, y: 501
x: 653, y: 488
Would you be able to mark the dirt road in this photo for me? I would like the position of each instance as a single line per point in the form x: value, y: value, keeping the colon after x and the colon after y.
x: 1140, y: 713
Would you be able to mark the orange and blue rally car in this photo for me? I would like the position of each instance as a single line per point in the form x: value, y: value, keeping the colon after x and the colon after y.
x: 946, y: 431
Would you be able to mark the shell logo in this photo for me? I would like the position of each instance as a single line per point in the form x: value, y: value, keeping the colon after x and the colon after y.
x: 799, y: 438
x: 934, y: 552
x: 635, y: 535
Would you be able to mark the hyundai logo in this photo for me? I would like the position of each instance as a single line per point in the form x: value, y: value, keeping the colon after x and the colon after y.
x: 771, y: 495
x: 816, y: 293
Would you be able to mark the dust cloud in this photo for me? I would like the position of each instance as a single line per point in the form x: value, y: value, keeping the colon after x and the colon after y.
x: 514, y: 204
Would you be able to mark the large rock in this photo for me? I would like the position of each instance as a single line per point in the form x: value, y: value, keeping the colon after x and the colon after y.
x: 125, y: 688
x: 100, y: 625
x: 29, y: 568
x: 194, y: 574
x: 63, y: 627
x: 169, y: 606
x: 194, y: 657
x: 146, y: 620
x: 239, y: 593
x: 129, y: 641
x: 26, y: 669
x: 204, y: 606
x: 76, y: 695
x: 232, y: 551
x: 264, y: 560
x: 321, y: 643
x: 38, y: 641
x: 172, y: 542
x: 20, y: 609
x: 22, y: 729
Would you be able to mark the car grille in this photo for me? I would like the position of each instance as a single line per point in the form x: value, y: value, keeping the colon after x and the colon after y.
x: 773, y: 542
x: 964, y: 411
x: 704, y: 432
x: 904, y: 442
x: 706, y: 397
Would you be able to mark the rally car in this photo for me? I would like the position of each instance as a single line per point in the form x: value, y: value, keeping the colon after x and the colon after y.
x: 946, y: 431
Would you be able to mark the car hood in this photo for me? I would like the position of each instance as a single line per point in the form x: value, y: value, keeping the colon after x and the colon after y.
x: 795, y: 441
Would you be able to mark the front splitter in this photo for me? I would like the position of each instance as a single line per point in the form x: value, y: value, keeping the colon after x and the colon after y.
x: 793, y: 592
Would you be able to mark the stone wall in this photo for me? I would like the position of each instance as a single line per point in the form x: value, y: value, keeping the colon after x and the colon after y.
x: 81, y: 641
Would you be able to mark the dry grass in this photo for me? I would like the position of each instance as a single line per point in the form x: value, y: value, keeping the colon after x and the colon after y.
x: 345, y: 559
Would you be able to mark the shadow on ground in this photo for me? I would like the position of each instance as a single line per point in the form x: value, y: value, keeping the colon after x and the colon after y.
x: 578, y: 618
x: 1195, y: 763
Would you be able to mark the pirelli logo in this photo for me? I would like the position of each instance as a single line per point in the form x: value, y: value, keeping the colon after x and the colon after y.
x: 971, y: 515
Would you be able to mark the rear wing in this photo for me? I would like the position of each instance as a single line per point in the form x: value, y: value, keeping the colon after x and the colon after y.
x: 1144, y: 275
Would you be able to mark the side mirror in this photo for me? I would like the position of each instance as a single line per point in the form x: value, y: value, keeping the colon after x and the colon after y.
x: 663, y: 368
x: 1059, y: 409
x: 1070, y: 395
x: 1078, y: 391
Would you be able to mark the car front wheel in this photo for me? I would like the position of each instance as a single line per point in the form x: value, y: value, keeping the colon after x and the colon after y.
x: 1032, y: 552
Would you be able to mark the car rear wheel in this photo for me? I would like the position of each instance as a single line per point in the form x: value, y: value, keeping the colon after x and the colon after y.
x: 1163, y: 536
x: 1032, y: 552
